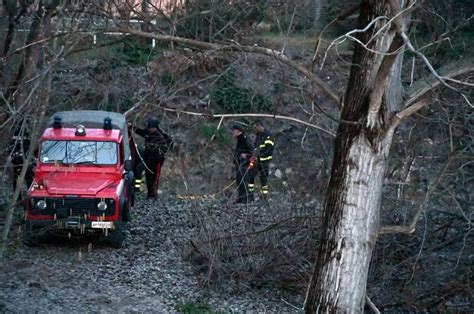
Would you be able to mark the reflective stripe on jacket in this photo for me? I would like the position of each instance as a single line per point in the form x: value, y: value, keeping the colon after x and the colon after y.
x: 264, y: 144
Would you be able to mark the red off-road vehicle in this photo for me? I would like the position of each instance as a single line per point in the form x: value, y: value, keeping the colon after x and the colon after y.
x: 83, y: 181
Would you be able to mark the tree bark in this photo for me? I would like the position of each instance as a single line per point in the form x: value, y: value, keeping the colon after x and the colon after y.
x: 11, y: 9
x: 352, y: 205
x: 30, y: 60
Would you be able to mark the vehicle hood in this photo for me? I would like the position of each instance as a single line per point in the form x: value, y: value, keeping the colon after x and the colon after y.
x: 77, y: 183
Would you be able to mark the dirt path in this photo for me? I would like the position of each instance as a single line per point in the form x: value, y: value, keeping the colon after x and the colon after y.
x: 147, y: 275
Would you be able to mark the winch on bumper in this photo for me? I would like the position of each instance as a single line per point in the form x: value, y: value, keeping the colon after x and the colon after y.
x: 37, y: 230
x: 73, y: 213
x: 75, y: 223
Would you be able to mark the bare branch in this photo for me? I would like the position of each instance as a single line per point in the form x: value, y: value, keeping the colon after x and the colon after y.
x: 21, y: 177
x: 255, y: 115
x: 372, y: 305
x: 417, y: 100
x: 400, y: 116
x: 237, y: 47
x: 396, y: 20
x: 341, y: 39
x: 411, y: 227
x: 398, y: 12
x: 440, y: 78
x: 381, y: 80
x: 467, y: 100
x: 338, y: 18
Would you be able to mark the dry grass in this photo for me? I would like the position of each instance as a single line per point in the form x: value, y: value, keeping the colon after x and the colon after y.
x: 302, y: 43
x: 257, y: 245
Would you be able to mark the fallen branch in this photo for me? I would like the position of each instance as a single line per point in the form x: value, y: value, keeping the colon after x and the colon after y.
x: 255, y: 115
x: 267, y: 228
x: 236, y: 47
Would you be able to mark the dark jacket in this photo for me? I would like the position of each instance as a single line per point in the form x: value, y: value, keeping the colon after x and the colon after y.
x: 156, y: 143
x: 18, y: 146
x: 243, y: 146
x: 264, y: 144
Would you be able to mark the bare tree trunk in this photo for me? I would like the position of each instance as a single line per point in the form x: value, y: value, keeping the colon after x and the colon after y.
x: 31, y: 56
x: 317, y: 9
x: 12, y: 10
x: 352, y: 205
x: 351, y: 221
x: 20, y: 182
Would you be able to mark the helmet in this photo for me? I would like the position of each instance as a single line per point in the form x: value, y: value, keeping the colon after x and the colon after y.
x: 238, y: 126
x: 257, y: 122
x: 153, y: 122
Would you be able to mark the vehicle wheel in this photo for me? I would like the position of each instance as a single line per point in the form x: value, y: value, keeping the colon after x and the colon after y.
x: 116, y: 237
x: 132, y: 199
x: 126, y: 212
x: 31, y: 236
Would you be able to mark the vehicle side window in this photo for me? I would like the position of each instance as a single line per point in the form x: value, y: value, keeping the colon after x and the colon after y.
x: 122, y: 154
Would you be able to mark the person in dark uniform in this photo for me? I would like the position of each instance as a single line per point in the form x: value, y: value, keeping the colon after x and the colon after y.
x: 242, y: 157
x: 264, y: 146
x: 18, y: 150
x: 157, y: 144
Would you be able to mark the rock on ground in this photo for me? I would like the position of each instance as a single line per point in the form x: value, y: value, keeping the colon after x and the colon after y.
x: 147, y: 275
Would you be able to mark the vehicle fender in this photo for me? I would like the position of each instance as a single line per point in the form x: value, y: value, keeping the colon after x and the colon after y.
x: 124, y: 209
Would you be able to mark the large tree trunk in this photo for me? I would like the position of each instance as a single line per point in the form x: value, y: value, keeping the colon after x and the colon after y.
x: 351, y: 214
x: 352, y: 205
x: 18, y: 89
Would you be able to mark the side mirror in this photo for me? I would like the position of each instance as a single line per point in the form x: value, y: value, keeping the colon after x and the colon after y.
x: 128, y: 165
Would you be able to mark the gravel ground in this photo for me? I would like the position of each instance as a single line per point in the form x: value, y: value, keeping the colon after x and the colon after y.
x: 147, y: 275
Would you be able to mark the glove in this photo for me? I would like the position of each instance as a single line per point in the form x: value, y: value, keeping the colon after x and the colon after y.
x: 252, y: 159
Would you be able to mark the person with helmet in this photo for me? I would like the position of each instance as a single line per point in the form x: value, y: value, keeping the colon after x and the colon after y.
x: 264, y: 146
x: 18, y: 150
x: 242, y: 158
x: 157, y: 144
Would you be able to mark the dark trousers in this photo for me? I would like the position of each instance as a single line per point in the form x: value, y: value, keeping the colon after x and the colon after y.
x: 138, y: 170
x: 152, y: 174
x: 242, y: 178
x: 263, y: 169
x: 29, y: 175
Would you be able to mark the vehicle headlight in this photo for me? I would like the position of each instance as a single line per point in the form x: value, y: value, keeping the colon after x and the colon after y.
x: 102, y: 205
x: 41, y: 204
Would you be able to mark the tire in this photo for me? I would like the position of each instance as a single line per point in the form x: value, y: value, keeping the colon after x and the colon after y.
x: 31, y: 238
x: 116, y: 237
x: 126, y: 212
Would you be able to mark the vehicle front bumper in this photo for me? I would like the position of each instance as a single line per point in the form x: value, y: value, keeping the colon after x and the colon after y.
x: 73, y: 223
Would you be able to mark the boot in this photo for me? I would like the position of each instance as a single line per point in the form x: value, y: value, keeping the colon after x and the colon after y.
x: 250, y: 198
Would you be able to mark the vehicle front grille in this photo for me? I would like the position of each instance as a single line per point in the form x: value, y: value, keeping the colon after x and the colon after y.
x: 72, y: 206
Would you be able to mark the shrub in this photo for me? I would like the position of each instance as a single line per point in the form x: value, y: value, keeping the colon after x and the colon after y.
x: 194, y: 308
x: 234, y: 99
x: 209, y: 131
x: 133, y: 52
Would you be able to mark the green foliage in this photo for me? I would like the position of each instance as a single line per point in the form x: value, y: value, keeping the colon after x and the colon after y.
x: 166, y: 78
x: 133, y: 52
x: 234, y: 99
x: 220, y: 136
x: 194, y: 308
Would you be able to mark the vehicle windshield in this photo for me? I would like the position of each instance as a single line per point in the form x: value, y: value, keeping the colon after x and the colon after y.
x: 79, y: 152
